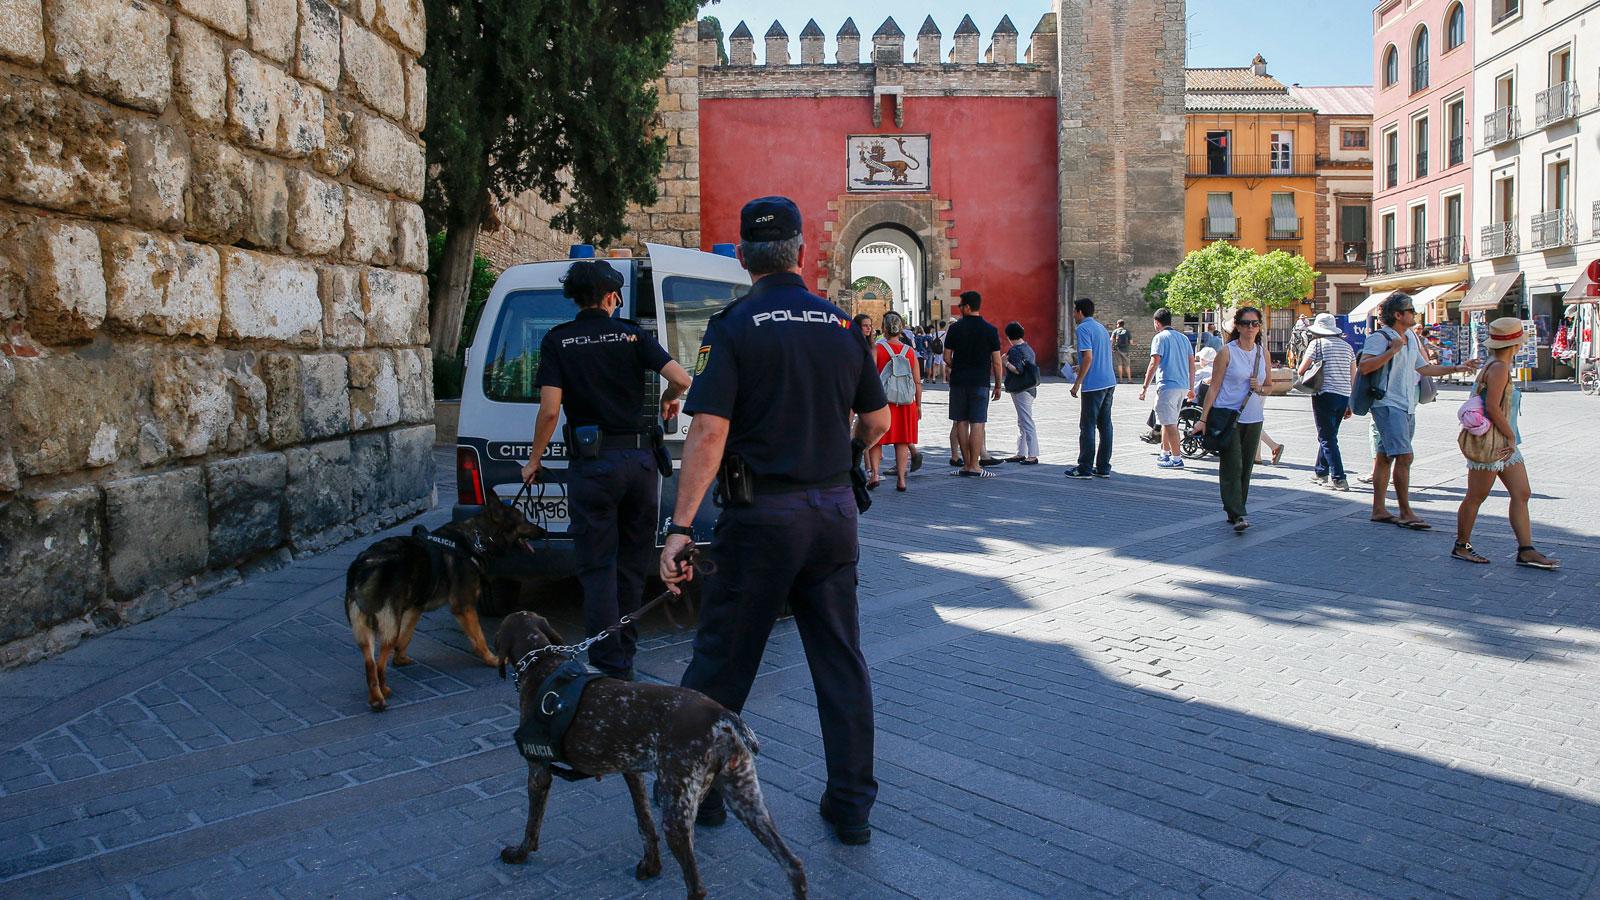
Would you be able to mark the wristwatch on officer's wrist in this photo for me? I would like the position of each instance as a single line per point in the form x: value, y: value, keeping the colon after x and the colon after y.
x: 685, y: 530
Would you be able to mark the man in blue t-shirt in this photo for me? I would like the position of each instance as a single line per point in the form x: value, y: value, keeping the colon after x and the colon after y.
x: 1097, y: 380
x: 1172, y: 366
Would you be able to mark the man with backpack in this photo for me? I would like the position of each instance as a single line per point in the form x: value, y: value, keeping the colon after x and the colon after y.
x: 1121, y: 345
x: 972, y: 353
x: 936, y: 370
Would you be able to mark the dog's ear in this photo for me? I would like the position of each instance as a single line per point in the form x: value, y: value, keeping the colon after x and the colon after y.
x: 549, y: 631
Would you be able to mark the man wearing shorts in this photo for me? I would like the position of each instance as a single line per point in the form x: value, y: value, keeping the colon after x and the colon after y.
x: 972, y: 354
x: 1121, y: 345
x: 1172, y: 366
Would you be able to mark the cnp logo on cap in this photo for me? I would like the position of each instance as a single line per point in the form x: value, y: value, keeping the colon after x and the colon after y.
x: 769, y: 219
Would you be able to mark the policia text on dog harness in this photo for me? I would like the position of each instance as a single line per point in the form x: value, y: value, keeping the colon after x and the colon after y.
x: 539, y: 735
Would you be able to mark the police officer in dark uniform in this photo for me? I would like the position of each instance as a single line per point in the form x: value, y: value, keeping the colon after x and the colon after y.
x: 777, y: 376
x: 593, y: 367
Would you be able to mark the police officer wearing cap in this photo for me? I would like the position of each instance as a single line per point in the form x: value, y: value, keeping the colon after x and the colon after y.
x: 594, y: 367
x: 776, y: 378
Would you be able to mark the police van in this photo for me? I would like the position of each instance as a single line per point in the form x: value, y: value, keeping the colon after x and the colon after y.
x: 671, y: 294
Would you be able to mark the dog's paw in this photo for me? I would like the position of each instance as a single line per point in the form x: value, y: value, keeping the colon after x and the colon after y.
x: 515, y: 856
x: 647, y: 869
x: 377, y: 705
x: 400, y: 660
x: 387, y: 692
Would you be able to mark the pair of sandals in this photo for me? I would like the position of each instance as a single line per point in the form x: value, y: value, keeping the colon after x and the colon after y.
x: 1391, y: 519
x: 1023, y: 460
x: 899, y: 485
x: 1464, y: 552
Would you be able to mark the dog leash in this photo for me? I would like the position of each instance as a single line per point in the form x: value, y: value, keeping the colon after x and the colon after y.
x: 690, y: 556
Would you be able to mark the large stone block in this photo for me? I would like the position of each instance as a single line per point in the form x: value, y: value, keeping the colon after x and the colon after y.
x: 67, y: 300
x: 270, y: 111
x: 249, y: 395
x: 270, y: 298
x: 301, y: 126
x: 16, y: 268
x: 162, y: 286
x: 228, y: 16
x: 316, y: 213
x: 374, y: 390
x: 280, y: 372
x: 416, y: 97
x: 219, y: 192
x: 324, y: 395
x: 411, y: 463
x: 414, y: 369
x: 344, y: 323
x: 199, y: 71
x: 320, y: 488
x: 158, y: 160
x: 370, y: 488
x: 266, y: 224
x: 60, y: 151
x: 372, y: 68
x: 396, y: 308
x: 114, y: 48
x: 410, y: 237
x: 246, y: 503
x: 337, y: 152
x: 387, y: 158
x: 49, y: 560
x: 192, y: 402
x: 71, y: 412
x: 317, y: 59
x: 368, y: 237
x: 22, y: 31
x: 272, y: 28
x: 404, y: 21
x: 156, y: 530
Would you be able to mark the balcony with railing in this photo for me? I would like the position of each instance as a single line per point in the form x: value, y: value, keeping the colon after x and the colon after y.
x: 1439, y: 252
x: 1500, y: 126
x: 1556, y: 228
x: 1556, y: 103
x: 1284, y: 229
x: 1391, y: 175
x: 1458, y: 151
x: 1419, y: 76
x: 1422, y: 163
x: 1500, y: 239
x: 1596, y: 232
x: 1252, y: 165
x: 1221, y: 229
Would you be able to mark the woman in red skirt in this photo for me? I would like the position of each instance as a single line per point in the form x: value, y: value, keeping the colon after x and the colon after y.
x: 901, y: 375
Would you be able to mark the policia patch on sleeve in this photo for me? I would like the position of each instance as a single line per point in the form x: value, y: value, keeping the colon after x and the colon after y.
x: 701, y: 358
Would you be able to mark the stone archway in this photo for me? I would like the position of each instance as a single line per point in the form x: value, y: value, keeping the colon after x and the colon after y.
x: 926, y: 216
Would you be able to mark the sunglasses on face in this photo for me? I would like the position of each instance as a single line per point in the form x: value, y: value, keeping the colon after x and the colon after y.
x: 1250, y: 323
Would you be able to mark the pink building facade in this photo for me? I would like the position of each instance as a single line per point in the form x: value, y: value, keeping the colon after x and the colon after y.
x: 1422, y: 147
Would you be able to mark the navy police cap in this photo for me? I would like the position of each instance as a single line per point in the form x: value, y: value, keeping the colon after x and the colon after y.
x: 769, y: 219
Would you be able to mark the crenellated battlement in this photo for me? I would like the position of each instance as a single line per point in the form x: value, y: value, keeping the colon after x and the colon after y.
x: 888, y: 45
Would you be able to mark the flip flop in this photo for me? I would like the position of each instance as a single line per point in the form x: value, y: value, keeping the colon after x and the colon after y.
x: 1389, y: 519
x: 1414, y: 524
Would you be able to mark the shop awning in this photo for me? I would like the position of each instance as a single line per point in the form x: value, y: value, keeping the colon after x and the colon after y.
x: 1487, y: 291
x: 1420, y: 300
x: 1579, y: 291
x: 1368, y: 306
x: 1427, y: 295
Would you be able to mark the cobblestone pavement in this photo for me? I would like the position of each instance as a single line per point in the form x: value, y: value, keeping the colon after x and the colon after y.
x: 1083, y: 689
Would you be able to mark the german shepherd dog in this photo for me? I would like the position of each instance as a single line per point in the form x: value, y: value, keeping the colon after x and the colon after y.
x: 394, y: 581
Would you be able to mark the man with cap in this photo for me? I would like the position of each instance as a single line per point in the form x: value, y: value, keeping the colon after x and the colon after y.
x: 776, y: 378
x: 1393, y: 349
x: 594, y: 367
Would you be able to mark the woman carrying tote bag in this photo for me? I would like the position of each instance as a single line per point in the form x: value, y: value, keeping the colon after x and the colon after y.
x: 1235, y: 409
x: 1494, y: 453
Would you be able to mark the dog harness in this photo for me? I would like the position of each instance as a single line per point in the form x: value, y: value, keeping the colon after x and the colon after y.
x: 436, y: 546
x: 540, y: 734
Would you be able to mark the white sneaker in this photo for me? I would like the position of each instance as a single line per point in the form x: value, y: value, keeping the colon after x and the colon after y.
x: 1162, y: 457
x: 1319, y: 479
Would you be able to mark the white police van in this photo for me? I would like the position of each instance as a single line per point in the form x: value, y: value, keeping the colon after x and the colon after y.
x: 671, y: 294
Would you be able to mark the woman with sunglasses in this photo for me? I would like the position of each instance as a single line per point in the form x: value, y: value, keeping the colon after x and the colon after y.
x: 1238, y: 381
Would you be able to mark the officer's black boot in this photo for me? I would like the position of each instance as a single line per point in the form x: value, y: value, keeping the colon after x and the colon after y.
x: 851, y: 833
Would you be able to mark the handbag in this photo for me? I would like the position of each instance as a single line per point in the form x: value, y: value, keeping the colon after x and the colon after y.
x: 1427, y: 390
x: 1222, y: 423
x: 1311, y: 381
x: 1025, y: 380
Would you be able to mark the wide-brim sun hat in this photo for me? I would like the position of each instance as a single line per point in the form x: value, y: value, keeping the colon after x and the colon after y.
x: 1504, y: 332
x: 1206, y: 354
x: 1325, y: 325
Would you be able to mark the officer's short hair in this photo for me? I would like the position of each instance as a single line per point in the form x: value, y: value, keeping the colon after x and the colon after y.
x: 1014, y: 331
x: 766, y: 257
x: 1084, y: 305
x: 588, y: 281
x: 1164, y: 317
x: 972, y: 300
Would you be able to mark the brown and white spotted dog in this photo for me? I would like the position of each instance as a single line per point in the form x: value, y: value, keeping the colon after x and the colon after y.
x: 689, y: 740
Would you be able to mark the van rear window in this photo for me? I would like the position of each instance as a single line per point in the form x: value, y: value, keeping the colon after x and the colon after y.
x: 512, y: 362
x: 690, y: 304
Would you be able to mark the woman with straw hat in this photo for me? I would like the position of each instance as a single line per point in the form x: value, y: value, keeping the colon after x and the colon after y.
x: 1494, y: 454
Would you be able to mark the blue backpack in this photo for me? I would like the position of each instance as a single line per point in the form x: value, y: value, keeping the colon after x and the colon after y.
x: 1368, y: 389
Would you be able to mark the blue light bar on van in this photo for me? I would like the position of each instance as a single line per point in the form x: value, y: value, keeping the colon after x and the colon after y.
x: 581, y: 251
x: 723, y: 250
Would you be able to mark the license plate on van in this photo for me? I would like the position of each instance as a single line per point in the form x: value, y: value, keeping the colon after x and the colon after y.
x: 548, y: 508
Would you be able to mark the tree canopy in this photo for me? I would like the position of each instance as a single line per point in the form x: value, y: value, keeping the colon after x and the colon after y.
x: 1274, y: 281
x: 1154, y: 291
x: 1200, y: 283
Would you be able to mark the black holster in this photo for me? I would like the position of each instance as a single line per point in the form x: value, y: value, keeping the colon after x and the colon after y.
x: 858, y: 476
x: 586, y: 440
x: 658, y: 442
x: 736, y: 484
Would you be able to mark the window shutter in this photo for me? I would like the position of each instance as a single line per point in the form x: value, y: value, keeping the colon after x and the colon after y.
x: 1353, y: 225
x: 1283, y: 217
x: 1220, y: 208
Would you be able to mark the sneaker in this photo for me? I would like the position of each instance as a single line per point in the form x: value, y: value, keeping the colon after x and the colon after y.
x: 1076, y: 472
x: 1102, y: 474
x: 1340, y: 484
x: 1319, y: 479
x: 1162, y: 457
x: 1171, y: 462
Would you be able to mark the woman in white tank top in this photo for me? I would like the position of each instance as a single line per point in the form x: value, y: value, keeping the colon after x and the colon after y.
x: 1238, y: 382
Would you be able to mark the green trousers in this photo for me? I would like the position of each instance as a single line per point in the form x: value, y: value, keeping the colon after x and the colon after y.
x: 1238, y: 461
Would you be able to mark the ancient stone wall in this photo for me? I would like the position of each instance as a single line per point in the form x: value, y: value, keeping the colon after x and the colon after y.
x: 212, y: 312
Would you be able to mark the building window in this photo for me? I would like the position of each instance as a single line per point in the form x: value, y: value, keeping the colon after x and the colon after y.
x: 1455, y: 27
x: 1353, y: 138
x: 1419, y: 60
x: 1284, y: 224
x: 1220, y: 221
x: 1391, y: 158
x: 1502, y: 10
x: 1282, y: 152
x: 1419, y: 229
x: 1391, y: 237
x: 1419, y: 147
x: 1217, y: 153
x: 1391, y: 66
x: 1451, y: 227
x: 1456, y: 117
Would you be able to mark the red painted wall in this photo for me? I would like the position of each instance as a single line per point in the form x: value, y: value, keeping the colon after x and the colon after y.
x: 993, y: 158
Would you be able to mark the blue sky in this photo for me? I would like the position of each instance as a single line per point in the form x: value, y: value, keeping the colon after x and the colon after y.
x: 1304, y: 41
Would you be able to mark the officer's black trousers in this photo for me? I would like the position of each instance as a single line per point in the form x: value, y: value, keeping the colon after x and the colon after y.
x: 614, y: 509
x: 800, y: 548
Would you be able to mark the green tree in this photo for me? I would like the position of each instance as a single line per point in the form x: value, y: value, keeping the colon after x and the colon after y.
x: 552, y: 97
x: 1274, y: 281
x: 711, y: 25
x: 1155, y: 291
x: 1200, y: 283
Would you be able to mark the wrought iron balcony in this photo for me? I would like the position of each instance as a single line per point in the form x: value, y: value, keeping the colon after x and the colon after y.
x: 1419, y: 76
x: 1283, y: 229
x: 1500, y: 126
x: 1501, y: 239
x: 1221, y: 229
x: 1422, y: 164
x: 1556, y: 103
x: 1445, y: 251
x: 1556, y: 228
x: 1252, y: 165
x: 1385, y: 262
x: 1458, y: 151
x: 1391, y: 175
x: 1596, y: 234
